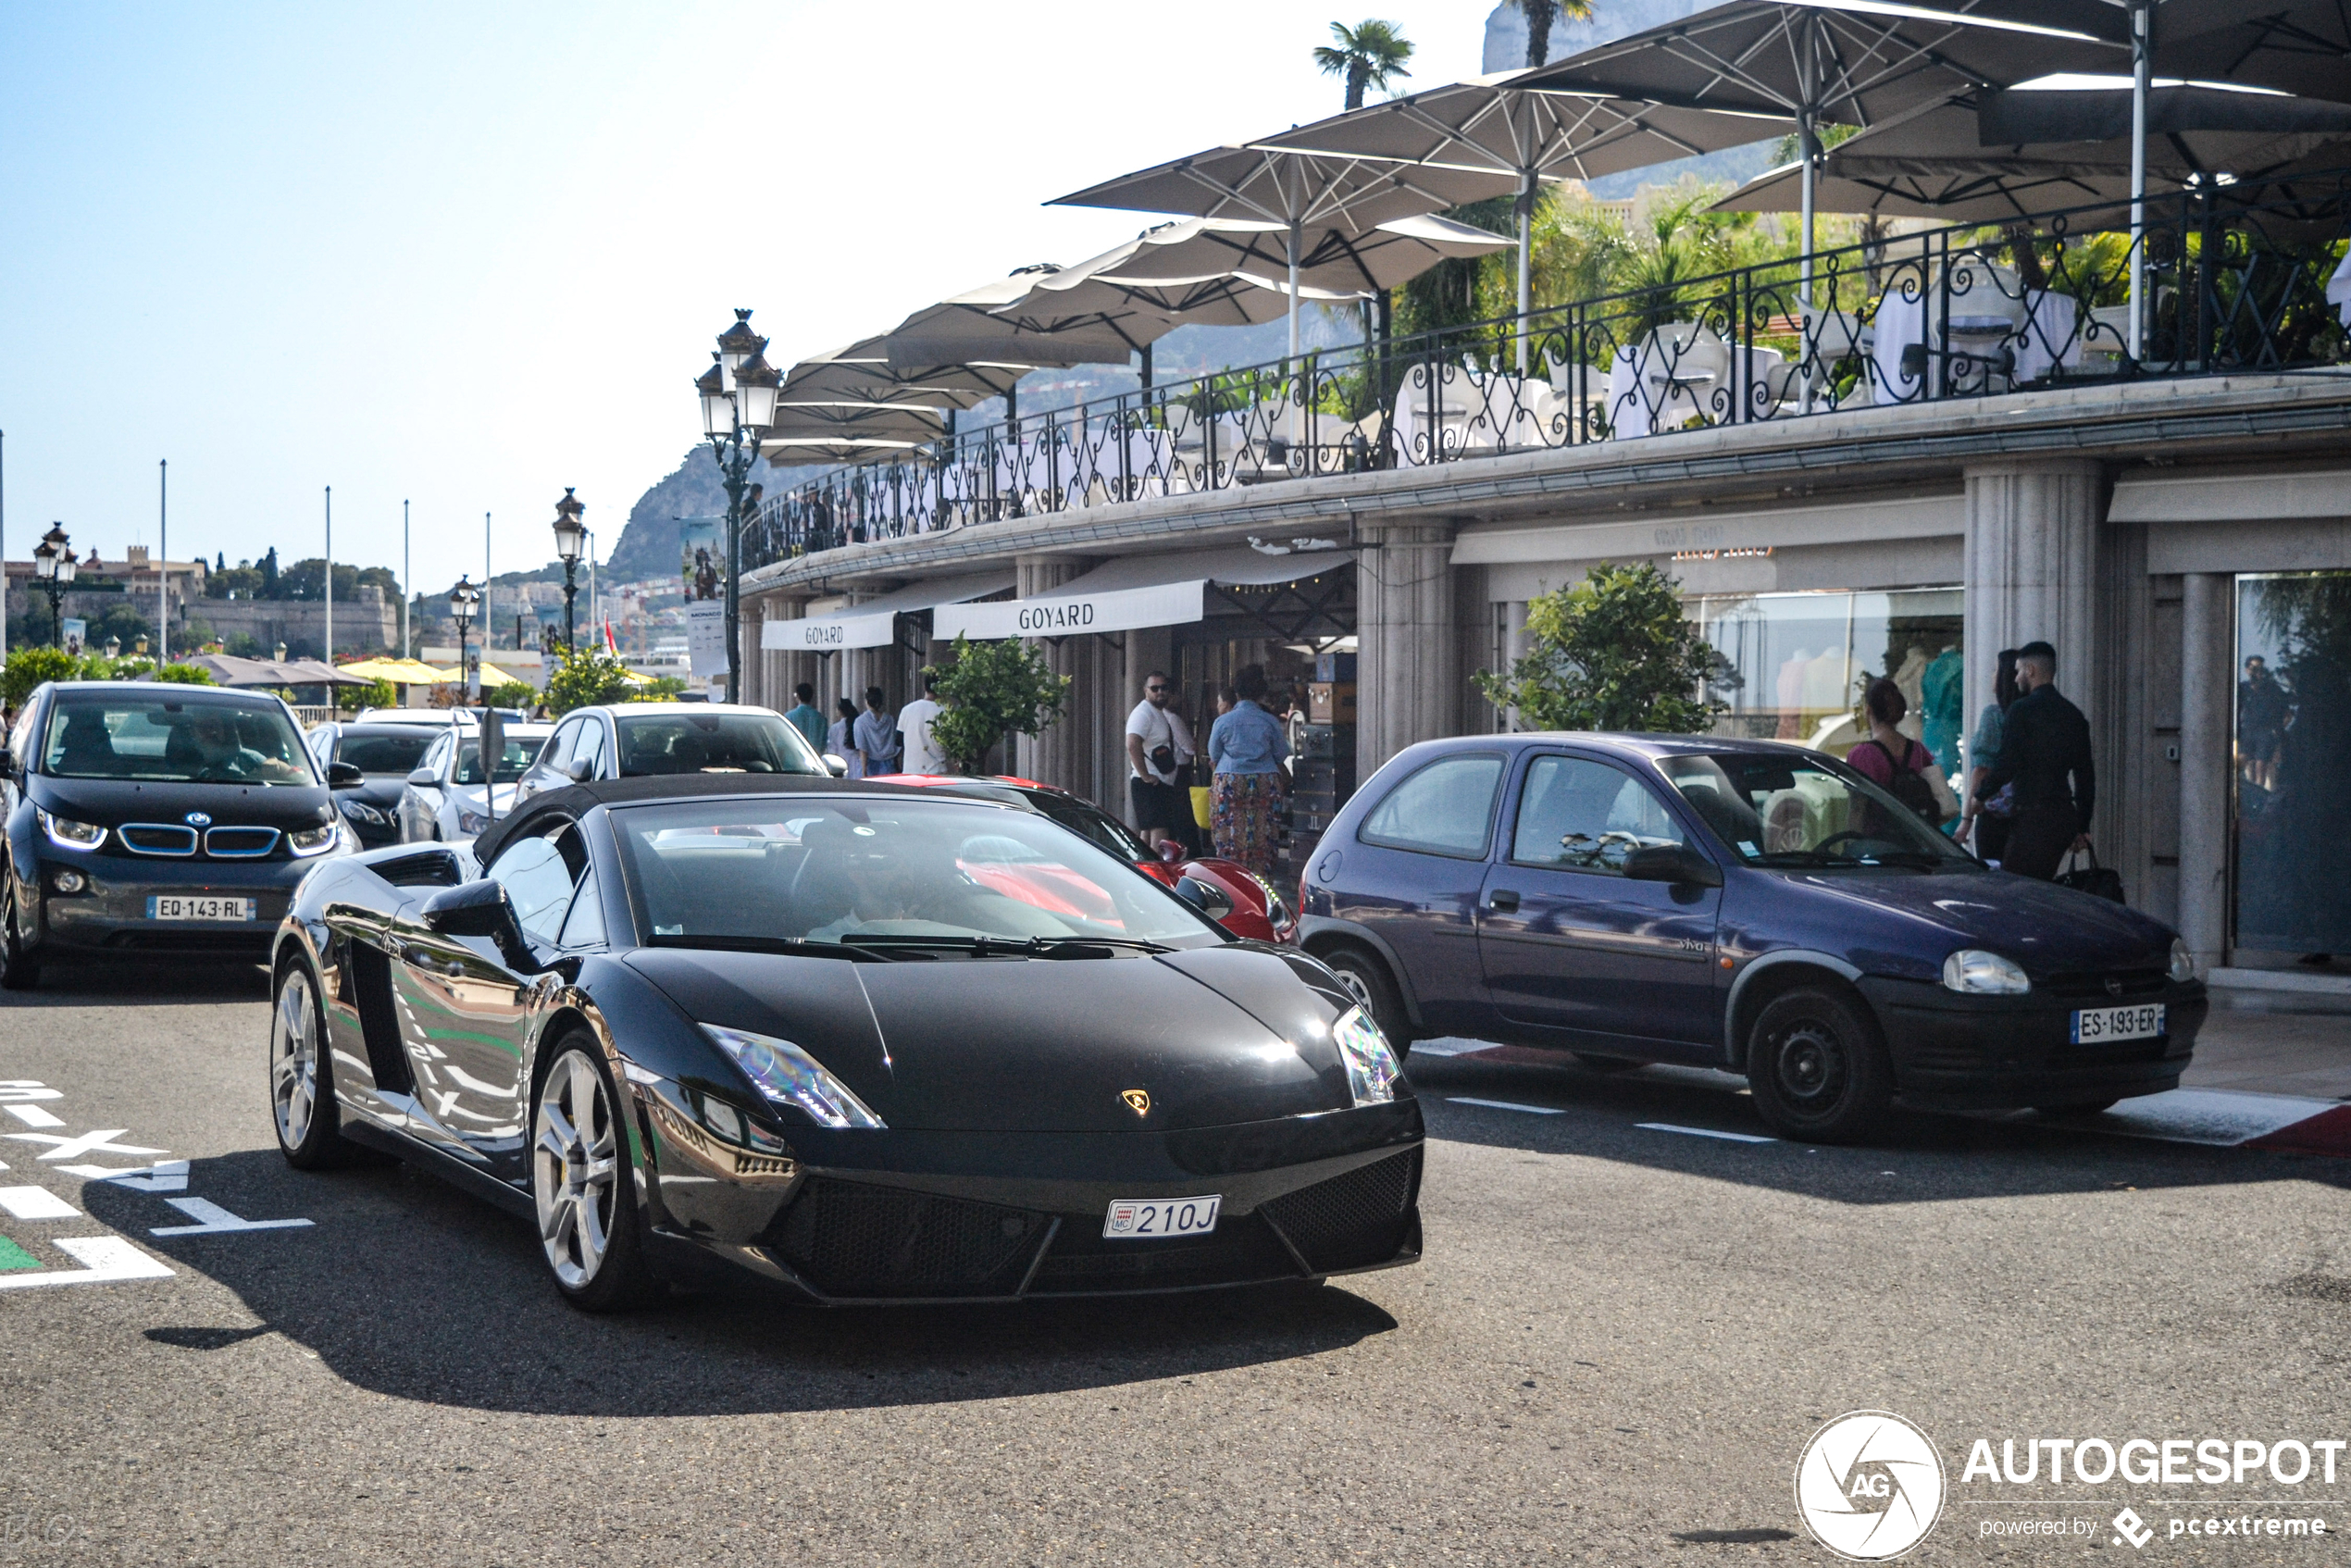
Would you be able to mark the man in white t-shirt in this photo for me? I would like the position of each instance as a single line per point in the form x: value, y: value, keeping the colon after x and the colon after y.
x: 915, y: 720
x: 1150, y: 753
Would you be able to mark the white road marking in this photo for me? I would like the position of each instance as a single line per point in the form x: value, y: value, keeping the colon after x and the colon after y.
x: 1706, y: 1132
x: 104, y: 1258
x: 88, y: 1143
x: 214, y: 1220
x: 1449, y: 1045
x: 1507, y: 1106
x: 15, y: 1092
x: 36, y: 1203
x: 34, y: 1116
x: 164, y: 1175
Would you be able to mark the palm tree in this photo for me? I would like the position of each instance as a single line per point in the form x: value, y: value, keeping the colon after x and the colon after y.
x: 1370, y: 54
x: 1539, y: 16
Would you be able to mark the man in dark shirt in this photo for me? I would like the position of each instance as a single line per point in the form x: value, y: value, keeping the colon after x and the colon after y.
x: 2044, y: 751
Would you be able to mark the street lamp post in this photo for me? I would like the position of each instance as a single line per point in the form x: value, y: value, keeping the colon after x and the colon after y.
x: 53, y: 568
x: 462, y: 601
x: 571, y: 543
x: 738, y: 394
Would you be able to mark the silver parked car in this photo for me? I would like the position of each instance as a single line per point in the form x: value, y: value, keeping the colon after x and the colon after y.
x: 647, y: 740
x: 448, y: 800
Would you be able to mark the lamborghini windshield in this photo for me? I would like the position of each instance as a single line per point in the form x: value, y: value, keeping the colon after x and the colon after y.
x: 887, y: 874
x: 145, y: 735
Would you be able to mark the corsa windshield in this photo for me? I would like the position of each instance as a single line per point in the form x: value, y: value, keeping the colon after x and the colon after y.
x: 884, y: 873
x: 164, y: 739
x: 1798, y: 811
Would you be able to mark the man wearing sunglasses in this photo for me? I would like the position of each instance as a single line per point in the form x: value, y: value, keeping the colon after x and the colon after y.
x: 1150, y: 749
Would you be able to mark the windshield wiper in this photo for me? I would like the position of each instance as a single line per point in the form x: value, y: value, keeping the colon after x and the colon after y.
x: 1802, y: 857
x: 1009, y: 947
x: 1918, y: 859
x: 799, y: 947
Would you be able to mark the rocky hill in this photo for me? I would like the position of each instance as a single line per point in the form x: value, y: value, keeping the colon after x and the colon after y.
x: 648, y: 545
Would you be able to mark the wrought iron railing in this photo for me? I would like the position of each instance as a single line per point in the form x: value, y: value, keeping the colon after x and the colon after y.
x: 2230, y: 285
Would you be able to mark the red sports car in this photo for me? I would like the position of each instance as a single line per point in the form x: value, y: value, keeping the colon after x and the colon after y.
x: 1228, y: 892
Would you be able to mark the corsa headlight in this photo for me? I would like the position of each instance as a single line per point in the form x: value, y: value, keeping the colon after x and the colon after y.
x: 1371, y: 1066
x: 1977, y: 973
x: 67, y: 834
x: 2183, y: 963
x: 788, y: 1075
x: 315, y: 840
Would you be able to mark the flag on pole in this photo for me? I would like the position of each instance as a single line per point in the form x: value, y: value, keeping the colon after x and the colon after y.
x: 610, y: 646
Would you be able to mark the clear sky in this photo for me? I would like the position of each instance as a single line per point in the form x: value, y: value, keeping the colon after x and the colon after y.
x: 468, y: 254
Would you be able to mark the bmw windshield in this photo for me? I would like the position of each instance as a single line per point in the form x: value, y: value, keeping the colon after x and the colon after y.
x: 1795, y: 811
x: 886, y: 876
x: 147, y: 736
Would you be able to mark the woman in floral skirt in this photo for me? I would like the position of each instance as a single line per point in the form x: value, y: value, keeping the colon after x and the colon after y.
x: 1245, y: 749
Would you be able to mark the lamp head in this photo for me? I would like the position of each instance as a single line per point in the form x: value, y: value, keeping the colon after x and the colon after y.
x: 571, y: 537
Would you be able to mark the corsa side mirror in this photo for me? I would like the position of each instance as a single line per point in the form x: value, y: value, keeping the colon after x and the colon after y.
x: 1671, y: 863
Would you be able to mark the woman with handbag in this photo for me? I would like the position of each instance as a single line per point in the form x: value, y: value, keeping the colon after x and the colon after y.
x: 1992, y: 837
x: 1245, y: 748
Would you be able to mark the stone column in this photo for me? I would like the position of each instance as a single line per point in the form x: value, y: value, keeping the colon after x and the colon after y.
x: 1409, y: 682
x: 778, y: 670
x: 2032, y: 568
x: 2208, y: 655
x: 1061, y: 755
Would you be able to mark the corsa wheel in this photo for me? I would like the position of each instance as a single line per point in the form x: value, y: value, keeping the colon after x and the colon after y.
x: 1366, y: 979
x: 579, y: 1184
x: 1817, y: 1067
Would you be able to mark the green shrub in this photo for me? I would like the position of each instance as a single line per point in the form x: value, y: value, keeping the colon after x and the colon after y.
x: 515, y: 694
x: 28, y: 667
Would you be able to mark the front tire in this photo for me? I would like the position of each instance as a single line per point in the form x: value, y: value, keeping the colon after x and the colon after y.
x: 582, y: 1187
x: 20, y: 971
x: 301, y: 1094
x: 1819, y: 1071
x: 1366, y: 979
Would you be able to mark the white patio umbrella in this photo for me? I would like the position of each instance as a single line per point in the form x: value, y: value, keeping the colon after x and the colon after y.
x: 1843, y: 62
x: 1495, y: 123
x: 963, y: 327
x: 863, y: 372
x: 1304, y: 193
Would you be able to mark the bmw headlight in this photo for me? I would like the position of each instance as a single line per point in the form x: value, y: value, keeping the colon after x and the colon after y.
x: 788, y: 1075
x: 1977, y: 973
x: 360, y: 811
x: 1372, y: 1071
x: 2183, y: 963
x: 67, y: 834
x: 313, y: 841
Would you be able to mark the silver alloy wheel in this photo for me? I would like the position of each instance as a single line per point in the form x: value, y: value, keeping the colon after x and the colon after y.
x: 294, y: 1059
x: 575, y: 1169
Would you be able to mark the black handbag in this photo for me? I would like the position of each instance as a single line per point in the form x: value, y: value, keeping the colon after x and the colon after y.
x: 2099, y: 881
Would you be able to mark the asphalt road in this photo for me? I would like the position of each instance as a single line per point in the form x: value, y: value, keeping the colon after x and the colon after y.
x: 1616, y: 1348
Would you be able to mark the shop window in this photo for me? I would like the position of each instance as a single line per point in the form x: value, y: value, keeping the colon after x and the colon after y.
x: 2292, y: 756
x: 1799, y: 663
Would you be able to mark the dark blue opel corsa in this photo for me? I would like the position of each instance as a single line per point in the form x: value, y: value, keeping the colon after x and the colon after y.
x: 1740, y: 904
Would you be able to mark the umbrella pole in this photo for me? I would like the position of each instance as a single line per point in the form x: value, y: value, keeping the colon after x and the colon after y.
x: 2142, y: 65
x: 1525, y: 245
x: 1293, y: 366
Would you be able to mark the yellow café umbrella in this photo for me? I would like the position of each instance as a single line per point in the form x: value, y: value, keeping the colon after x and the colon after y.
x: 400, y: 672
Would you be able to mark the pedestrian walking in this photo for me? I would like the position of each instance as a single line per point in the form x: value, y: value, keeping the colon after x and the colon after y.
x: 1897, y: 763
x: 840, y: 740
x: 2045, y: 752
x: 1151, y: 760
x: 915, y: 720
x: 877, y: 734
x: 1991, y: 837
x: 808, y: 718
x: 1244, y: 750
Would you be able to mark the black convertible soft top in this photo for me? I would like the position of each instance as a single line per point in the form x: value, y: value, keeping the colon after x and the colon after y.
x: 574, y: 801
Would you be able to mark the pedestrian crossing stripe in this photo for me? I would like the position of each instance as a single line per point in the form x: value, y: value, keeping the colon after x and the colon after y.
x: 14, y: 1257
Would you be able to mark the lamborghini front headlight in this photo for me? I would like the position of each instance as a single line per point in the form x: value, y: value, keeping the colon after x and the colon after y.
x: 1372, y: 1071
x: 788, y: 1075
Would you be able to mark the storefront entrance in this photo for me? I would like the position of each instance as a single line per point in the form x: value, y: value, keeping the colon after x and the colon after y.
x: 2292, y: 755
